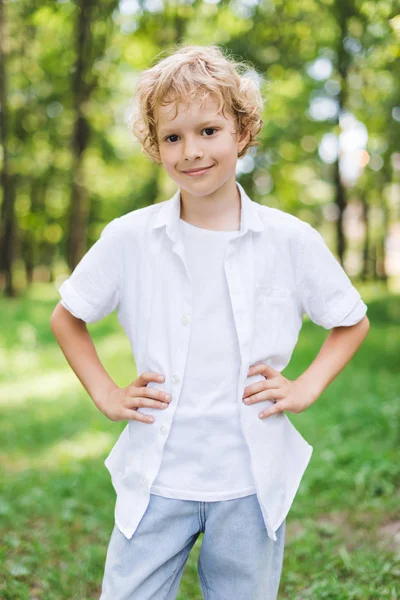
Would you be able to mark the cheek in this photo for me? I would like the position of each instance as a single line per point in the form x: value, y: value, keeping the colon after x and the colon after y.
x: 225, y: 150
x: 167, y: 157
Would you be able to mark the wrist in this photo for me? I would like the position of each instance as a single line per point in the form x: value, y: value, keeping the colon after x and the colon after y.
x: 101, y: 397
x: 311, y: 387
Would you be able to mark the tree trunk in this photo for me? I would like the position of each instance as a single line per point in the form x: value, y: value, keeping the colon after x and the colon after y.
x: 341, y: 203
x: 80, y: 138
x: 7, y: 225
x: 29, y: 246
x: 365, y: 270
x: 343, y: 12
x: 381, y: 242
x: 88, y: 50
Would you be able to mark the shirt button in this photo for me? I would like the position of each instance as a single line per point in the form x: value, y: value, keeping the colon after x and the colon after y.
x: 163, y: 429
x: 176, y: 378
x: 185, y: 320
x: 144, y: 482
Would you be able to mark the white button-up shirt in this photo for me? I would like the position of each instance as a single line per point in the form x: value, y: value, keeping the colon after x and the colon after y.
x: 277, y: 269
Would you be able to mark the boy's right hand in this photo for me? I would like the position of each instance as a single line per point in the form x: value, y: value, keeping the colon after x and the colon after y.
x: 122, y: 403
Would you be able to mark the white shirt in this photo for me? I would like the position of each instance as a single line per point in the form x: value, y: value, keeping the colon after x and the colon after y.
x: 277, y: 268
x: 216, y: 464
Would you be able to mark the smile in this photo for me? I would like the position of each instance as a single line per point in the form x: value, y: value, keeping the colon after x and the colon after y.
x: 196, y: 173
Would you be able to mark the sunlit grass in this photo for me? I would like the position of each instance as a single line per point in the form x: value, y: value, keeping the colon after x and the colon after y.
x: 85, y: 445
x: 57, y: 501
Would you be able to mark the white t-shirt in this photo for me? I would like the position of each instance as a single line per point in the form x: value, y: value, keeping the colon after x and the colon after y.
x: 216, y: 465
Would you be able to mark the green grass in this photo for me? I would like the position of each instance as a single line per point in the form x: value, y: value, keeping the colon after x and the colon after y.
x: 57, y: 501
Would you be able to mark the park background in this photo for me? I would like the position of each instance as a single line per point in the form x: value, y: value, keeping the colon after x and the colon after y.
x: 329, y: 153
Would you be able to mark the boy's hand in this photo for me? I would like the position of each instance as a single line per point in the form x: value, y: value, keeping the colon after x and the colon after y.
x: 122, y: 403
x: 287, y: 395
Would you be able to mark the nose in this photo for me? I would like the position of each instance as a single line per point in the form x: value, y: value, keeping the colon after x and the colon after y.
x: 192, y: 151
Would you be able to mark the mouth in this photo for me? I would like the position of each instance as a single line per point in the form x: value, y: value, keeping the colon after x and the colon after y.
x: 198, y: 171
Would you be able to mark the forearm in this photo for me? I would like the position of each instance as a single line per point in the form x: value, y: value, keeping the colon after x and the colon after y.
x: 78, y: 348
x: 337, y: 350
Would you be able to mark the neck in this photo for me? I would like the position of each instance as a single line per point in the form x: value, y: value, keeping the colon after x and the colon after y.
x: 219, y: 211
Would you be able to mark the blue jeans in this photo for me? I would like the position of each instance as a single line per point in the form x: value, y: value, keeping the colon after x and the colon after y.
x: 237, y: 561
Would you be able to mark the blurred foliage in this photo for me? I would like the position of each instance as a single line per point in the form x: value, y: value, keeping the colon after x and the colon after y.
x: 329, y: 73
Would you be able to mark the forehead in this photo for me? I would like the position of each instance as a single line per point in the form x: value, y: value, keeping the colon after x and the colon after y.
x: 183, y: 113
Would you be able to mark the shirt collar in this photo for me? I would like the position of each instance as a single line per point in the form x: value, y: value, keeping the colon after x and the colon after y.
x: 169, y: 214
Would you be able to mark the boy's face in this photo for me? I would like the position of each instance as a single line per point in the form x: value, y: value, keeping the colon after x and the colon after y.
x: 198, y: 137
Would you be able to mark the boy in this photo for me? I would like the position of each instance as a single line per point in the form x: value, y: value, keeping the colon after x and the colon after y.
x: 210, y: 288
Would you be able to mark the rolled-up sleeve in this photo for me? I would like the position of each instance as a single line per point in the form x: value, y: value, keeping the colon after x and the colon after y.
x: 92, y: 291
x: 327, y: 295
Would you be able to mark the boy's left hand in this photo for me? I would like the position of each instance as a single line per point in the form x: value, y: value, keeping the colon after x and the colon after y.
x: 287, y: 395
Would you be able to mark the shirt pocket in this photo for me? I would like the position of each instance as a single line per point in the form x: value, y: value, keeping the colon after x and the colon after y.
x: 275, y: 327
x: 276, y: 298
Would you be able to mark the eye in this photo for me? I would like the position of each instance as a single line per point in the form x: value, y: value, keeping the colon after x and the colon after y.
x: 173, y: 135
x: 209, y: 129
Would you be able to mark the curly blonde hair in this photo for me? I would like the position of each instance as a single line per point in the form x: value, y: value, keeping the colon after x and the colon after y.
x: 197, y: 72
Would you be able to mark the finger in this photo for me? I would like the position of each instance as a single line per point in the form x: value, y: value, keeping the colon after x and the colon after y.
x: 133, y: 415
x: 273, y: 410
x: 270, y: 384
x: 264, y: 395
x: 263, y: 369
x: 148, y: 376
x: 137, y: 402
x: 146, y: 392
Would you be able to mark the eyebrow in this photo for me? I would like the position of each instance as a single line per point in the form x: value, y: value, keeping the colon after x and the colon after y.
x: 172, y: 129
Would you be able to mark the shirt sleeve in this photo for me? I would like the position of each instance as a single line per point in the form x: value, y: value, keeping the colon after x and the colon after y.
x: 93, y: 289
x: 327, y: 295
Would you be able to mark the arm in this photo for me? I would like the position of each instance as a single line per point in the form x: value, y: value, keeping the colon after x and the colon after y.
x: 328, y: 297
x: 116, y: 403
x: 295, y: 396
x: 78, y: 348
x: 336, y: 351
